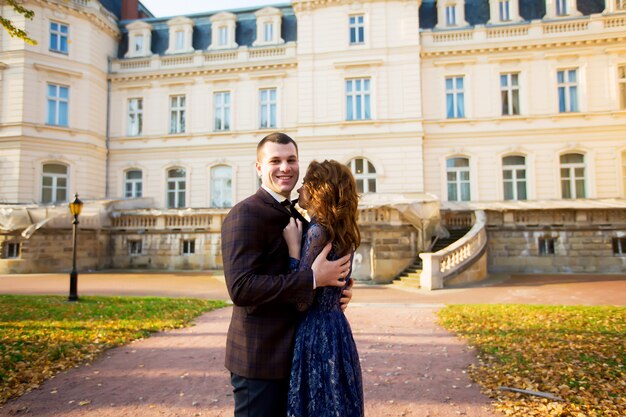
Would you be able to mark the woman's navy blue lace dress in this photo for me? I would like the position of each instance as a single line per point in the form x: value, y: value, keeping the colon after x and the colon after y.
x: 325, y: 373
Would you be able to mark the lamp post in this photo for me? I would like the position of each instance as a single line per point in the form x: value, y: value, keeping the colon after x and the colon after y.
x: 76, y: 207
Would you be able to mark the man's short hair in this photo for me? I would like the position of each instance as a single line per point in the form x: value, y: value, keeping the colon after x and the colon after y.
x: 276, y: 137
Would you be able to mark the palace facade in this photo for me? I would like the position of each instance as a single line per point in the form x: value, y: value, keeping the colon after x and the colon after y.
x: 516, y: 108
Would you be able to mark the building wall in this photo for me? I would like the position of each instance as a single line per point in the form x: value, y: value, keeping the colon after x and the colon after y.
x: 26, y: 139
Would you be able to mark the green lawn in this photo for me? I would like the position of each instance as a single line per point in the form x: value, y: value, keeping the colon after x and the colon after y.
x: 576, y: 353
x: 42, y: 335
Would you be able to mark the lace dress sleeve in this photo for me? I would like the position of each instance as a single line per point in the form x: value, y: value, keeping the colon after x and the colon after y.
x: 314, y: 242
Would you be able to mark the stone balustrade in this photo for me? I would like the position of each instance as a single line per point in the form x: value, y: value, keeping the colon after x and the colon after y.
x: 525, y: 31
x: 438, y: 266
x: 206, y: 59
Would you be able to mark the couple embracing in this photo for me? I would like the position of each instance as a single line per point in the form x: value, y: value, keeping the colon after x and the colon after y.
x: 289, y: 348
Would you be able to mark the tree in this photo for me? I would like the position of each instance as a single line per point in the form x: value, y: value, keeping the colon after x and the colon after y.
x: 10, y: 27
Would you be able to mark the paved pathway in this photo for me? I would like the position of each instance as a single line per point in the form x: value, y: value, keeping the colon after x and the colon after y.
x: 411, y: 366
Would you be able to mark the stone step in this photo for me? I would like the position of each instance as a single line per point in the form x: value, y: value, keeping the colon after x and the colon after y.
x: 406, y: 283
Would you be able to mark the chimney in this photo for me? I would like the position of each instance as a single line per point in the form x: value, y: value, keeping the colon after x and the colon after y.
x: 130, y: 9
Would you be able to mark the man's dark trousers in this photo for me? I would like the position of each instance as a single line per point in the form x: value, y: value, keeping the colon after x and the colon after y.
x: 260, y: 397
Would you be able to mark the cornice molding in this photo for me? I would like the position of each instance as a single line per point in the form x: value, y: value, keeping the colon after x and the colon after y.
x: 191, y: 72
x: 309, y: 5
x: 524, y: 47
x: 364, y: 63
x: 58, y: 70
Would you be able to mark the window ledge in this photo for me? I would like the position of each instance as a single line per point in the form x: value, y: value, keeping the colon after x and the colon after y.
x: 63, y: 71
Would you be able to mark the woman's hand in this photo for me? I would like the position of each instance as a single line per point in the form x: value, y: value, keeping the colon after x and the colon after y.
x: 293, y: 236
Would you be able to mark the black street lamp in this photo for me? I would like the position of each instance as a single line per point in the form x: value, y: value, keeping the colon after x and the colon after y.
x: 76, y: 207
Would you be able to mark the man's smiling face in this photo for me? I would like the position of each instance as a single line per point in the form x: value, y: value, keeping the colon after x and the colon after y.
x: 278, y: 167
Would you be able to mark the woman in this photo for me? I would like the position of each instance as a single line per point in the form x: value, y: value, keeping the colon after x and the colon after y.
x: 325, y: 373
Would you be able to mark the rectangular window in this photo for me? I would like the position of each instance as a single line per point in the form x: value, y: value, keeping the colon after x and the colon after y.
x: 546, y: 246
x: 135, y: 116
x: 189, y: 247
x: 58, y: 37
x: 135, y: 247
x: 267, y: 108
x: 221, y: 110
x: 222, y: 36
x: 619, y: 246
x: 138, y: 44
x: 58, y: 105
x: 514, y: 177
x: 455, y: 98
x: 177, y: 114
x: 621, y: 72
x: 268, y: 32
x: 451, y: 15
x: 180, y: 40
x: 12, y: 250
x: 568, y: 90
x: 561, y: 7
x: 357, y: 29
x: 358, y: 99
x: 509, y: 92
x: 505, y: 10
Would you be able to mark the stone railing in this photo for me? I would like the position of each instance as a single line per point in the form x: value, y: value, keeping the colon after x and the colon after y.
x: 536, y: 30
x: 205, y: 220
x: 438, y: 266
x: 205, y: 59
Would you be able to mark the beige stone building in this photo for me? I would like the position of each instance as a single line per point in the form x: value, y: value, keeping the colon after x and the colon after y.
x: 504, y: 116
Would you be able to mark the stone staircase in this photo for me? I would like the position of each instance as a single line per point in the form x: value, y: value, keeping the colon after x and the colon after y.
x: 410, y: 277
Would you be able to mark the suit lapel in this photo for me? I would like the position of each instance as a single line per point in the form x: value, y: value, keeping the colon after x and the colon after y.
x: 271, y: 201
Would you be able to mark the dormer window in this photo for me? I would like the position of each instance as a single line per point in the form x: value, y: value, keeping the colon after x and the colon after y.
x: 561, y: 8
x: 223, y: 27
x: 181, y: 34
x: 504, y: 11
x: 139, y: 39
x: 268, y: 27
x: 450, y: 14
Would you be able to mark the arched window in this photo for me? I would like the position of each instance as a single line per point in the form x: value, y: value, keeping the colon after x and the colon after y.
x: 573, y: 175
x: 54, y: 183
x: 221, y: 186
x: 133, y: 184
x: 364, y: 174
x: 176, y: 187
x: 458, y: 179
x: 514, y: 177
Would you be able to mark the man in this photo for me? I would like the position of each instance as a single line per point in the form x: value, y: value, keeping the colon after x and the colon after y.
x: 265, y: 297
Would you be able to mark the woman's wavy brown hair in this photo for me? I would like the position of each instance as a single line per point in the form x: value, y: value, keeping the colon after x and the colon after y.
x: 333, y: 195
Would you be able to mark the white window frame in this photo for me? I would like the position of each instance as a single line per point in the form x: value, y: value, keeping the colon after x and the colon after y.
x: 133, y: 187
x: 570, y: 89
x: 571, y: 179
x: 138, y: 30
x: 511, y: 90
x: 188, y: 247
x: 356, y: 27
x: 450, y: 14
x: 364, y: 176
x: 619, y: 245
x: 222, y: 184
x: 222, y: 111
x: 560, y: 9
x: 135, y: 116
x: 457, y: 95
x: 54, y: 187
x: 504, y: 10
x: 179, y: 190
x: 60, y: 35
x: 268, y: 107
x: 180, y: 35
x: 178, y: 103
x: 227, y: 22
x: 497, y: 9
x: 458, y: 181
x: 621, y: 78
x: 59, y: 103
x: 516, y: 178
x: 546, y: 245
x: 358, y: 98
x: 268, y: 27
